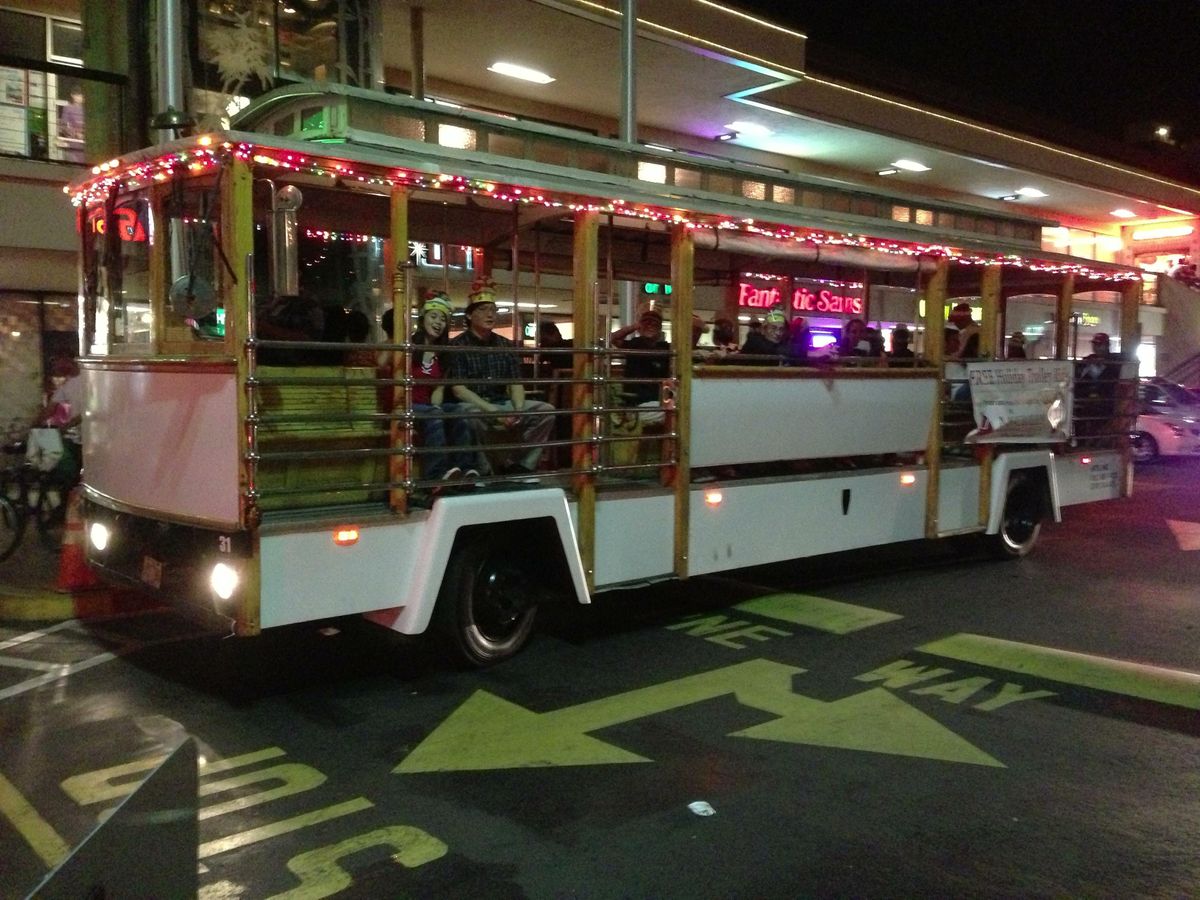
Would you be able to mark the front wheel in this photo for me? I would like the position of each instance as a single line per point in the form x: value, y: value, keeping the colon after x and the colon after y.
x: 1145, y: 448
x: 486, y: 607
x: 1021, y: 522
x: 12, y: 523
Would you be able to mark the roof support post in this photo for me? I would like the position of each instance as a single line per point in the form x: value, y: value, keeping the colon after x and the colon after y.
x: 629, y: 71
x: 991, y: 346
x: 400, y: 432
x: 935, y: 353
x: 683, y: 255
x: 583, y: 389
x: 1063, y: 349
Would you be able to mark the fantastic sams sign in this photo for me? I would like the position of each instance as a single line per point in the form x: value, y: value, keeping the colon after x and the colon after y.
x: 808, y: 296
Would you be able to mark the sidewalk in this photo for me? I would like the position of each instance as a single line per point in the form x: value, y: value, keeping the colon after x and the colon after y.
x: 27, y: 589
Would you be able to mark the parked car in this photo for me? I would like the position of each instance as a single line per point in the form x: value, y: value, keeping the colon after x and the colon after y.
x: 1168, y: 422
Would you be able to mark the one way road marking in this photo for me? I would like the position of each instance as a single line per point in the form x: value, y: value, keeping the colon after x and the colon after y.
x: 488, y: 732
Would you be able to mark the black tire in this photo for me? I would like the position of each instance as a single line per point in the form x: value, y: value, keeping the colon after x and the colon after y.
x: 12, y: 524
x: 1021, y: 521
x: 1145, y: 448
x: 486, y: 607
x: 51, y: 515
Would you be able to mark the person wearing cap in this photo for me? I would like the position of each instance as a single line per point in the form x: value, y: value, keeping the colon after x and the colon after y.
x: 768, y: 345
x: 426, y: 366
x: 644, y: 373
x: 486, y: 375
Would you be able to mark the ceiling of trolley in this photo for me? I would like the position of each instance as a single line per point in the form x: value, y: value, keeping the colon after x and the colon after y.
x: 692, y: 86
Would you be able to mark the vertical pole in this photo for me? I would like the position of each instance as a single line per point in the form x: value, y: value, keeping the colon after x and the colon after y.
x: 237, y: 214
x: 991, y: 345
x: 683, y: 254
x: 583, y: 387
x: 1131, y: 337
x: 935, y: 355
x: 629, y: 71
x: 416, y: 19
x: 158, y: 269
x: 400, y: 433
x: 1063, y: 348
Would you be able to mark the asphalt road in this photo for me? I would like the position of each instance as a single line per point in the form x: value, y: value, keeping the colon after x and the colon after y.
x: 918, y: 721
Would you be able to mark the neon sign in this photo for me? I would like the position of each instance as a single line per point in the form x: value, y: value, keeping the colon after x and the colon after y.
x: 804, y: 300
x: 129, y: 225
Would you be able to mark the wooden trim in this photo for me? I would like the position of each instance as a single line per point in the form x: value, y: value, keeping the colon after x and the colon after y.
x: 400, y: 436
x: 585, y: 267
x: 935, y: 353
x: 683, y: 253
x: 840, y: 373
x: 158, y: 364
x: 1062, y: 317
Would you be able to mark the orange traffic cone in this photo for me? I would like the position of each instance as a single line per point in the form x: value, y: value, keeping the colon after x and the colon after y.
x: 73, y: 571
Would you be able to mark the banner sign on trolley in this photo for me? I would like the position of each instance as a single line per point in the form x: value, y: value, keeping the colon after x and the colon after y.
x: 1020, y: 401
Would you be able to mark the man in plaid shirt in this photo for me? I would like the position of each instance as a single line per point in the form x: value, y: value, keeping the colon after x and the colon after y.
x: 489, y: 382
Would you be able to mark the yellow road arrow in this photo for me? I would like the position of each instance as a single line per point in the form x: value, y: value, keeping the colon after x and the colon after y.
x: 488, y: 732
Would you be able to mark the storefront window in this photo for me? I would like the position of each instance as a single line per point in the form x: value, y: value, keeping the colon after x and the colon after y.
x: 41, y: 114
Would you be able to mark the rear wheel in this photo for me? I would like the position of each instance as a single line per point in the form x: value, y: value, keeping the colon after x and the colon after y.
x: 1021, y: 521
x: 12, y: 523
x: 1145, y: 448
x: 486, y: 607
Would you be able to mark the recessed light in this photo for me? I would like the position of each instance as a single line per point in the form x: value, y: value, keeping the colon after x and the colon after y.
x: 1163, y: 131
x: 1123, y: 213
x: 1030, y: 192
x: 512, y: 70
x: 887, y: 171
x: 909, y: 165
x: 1168, y: 231
x: 1010, y: 197
x: 750, y: 129
x: 727, y: 136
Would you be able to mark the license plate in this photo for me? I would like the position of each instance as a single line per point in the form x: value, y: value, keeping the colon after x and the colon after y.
x: 152, y: 571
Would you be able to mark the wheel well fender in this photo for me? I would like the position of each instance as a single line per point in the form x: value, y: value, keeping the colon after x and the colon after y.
x: 1034, y: 467
x: 536, y: 523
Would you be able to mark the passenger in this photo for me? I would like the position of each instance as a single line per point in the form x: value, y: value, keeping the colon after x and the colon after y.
x: 554, y: 351
x: 358, y: 328
x: 291, y: 318
x: 768, y: 346
x: 426, y: 366
x: 855, y: 340
x: 1096, y: 380
x: 724, y: 335
x: 902, y: 353
x: 644, y: 374
x: 489, y: 382
x: 799, y: 343
x: 968, y: 333
x: 1016, y: 346
x: 874, y: 340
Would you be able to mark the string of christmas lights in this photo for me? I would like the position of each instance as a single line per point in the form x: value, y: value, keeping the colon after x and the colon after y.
x: 206, y: 156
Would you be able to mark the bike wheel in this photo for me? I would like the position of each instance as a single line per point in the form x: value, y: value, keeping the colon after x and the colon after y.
x: 51, y: 514
x: 12, y: 523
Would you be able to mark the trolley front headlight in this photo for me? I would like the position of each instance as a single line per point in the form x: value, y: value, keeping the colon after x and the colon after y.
x: 223, y: 580
x: 99, y: 535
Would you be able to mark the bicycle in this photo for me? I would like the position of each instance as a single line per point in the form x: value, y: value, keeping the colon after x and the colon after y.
x: 27, y: 492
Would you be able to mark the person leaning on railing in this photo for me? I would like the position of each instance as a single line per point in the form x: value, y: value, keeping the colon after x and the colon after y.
x: 486, y: 372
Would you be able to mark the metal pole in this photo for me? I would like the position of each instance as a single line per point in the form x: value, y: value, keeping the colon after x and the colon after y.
x: 417, y: 33
x: 170, y: 116
x: 628, y: 71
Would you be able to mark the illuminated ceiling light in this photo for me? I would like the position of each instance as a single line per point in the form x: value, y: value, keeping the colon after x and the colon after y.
x: 1123, y: 213
x: 512, y: 70
x: 1010, y: 197
x: 750, y: 129
x: 1182, y: 212
x: 1162, y: 131
x: 727, y: 136
x: 1167, y: 231
x: 1030, y: 192
x: 909, y: 165
x: 887, y: 172
x: 660, y: 147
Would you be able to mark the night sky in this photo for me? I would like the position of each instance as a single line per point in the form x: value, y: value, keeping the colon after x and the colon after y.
x: 1083, y: 67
